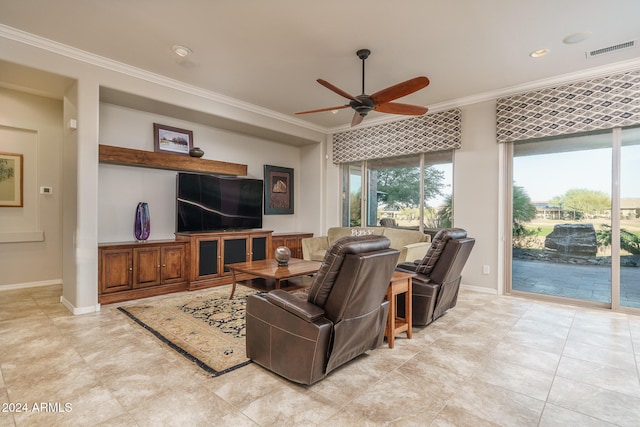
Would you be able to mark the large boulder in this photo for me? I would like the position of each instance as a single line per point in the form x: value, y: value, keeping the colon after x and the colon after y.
x: 572, y: 240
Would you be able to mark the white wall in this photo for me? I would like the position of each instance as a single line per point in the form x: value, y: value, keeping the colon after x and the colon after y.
x: 311, y: 184
x: 30, y: 236
x: 80, y: 257
x: 476, y: 188
x: 122, y: 187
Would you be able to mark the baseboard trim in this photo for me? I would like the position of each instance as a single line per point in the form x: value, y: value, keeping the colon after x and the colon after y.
x: 79, y: 310
x: 30, y: 284
x: 479, y: 289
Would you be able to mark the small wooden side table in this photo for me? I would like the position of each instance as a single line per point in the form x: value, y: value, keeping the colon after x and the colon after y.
x: 400, y: 284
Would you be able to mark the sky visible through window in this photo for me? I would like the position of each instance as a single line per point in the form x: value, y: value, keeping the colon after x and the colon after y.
x: 545, y: 176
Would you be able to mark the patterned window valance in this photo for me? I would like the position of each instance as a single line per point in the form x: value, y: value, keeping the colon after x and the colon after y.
x: 433, y: 132
x: 601, y: 103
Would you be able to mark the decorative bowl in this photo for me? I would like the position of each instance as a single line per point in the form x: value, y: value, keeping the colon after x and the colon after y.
x: 196, y: 152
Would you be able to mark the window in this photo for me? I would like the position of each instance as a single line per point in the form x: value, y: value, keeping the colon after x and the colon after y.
x: 409, y: 192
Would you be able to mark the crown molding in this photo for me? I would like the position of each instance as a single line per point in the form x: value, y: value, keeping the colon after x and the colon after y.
x: 122, y: 68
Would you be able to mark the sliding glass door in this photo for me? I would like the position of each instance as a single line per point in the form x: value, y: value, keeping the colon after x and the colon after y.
x: 575, y: 218
x: 630, y: 218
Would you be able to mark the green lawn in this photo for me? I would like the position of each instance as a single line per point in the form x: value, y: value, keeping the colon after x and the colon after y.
x: 541, y: 231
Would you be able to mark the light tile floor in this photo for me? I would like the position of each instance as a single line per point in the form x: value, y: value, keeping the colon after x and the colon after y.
x: 490, y: 361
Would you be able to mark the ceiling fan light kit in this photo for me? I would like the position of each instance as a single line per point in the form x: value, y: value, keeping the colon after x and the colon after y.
x: 378, y: 101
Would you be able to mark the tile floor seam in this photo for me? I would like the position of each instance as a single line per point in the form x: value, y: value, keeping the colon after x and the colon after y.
x: 558, y: 404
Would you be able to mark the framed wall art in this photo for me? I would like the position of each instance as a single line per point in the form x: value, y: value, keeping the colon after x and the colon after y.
x: 11, y: 178
x: 278, y: 190
x: 172, y: 140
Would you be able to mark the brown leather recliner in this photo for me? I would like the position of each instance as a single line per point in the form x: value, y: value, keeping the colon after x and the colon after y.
x: 343, y: 316
x: 438, y: 275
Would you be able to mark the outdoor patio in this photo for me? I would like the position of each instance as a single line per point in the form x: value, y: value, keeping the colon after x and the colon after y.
x: 585, y: 282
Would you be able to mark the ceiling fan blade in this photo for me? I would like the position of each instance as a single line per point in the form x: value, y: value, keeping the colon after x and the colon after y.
x: 338, y: 90
x: 357, y: 119
x: 399, y: 90
x: 323, y: 109
x: 398, y: 108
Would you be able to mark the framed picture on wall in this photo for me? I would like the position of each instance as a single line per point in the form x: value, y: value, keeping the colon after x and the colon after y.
x: 11, y: 178
x: 278, y: 190
x: 172, y: 140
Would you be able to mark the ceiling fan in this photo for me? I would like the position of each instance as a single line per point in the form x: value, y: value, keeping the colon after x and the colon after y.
x: 379, y: 101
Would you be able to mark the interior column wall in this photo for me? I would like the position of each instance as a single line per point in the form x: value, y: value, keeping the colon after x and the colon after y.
x: 70, y: 199
x: 82, y: 295
x: 476, y: 189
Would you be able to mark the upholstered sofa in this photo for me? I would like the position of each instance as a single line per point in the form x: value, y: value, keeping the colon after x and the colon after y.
x: 412, y: 244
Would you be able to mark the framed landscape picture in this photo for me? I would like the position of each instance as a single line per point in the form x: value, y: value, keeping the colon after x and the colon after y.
x: 11, y: 177
x: 278, y: 190
x: 172, y: 140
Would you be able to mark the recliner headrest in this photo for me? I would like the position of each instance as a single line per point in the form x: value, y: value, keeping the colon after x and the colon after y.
x: 437, y: 246
x: 325, y: 278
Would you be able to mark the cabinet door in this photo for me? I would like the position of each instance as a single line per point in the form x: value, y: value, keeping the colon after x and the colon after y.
x: 234, y: 250
x: 293, y: 243
x: 115, y: 270
x: 259, y: 248
x: 146, y: 267
x: 208, y: 257
x: 174, y: 264
x: 276, y: 242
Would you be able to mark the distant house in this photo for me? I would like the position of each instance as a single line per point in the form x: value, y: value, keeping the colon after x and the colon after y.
x: 629, y: 209
x: 545, y: 211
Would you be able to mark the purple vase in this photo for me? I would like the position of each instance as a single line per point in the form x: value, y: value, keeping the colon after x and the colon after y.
x: 142, y: 227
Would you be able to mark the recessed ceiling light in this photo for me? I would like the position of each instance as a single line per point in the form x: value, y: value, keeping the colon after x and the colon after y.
x: 576, y: 37
x: 181, y: 50
x: 538, y: 53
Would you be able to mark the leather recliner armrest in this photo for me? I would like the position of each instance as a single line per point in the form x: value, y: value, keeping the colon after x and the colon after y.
x: 409, y: 267
x: 295, y: 305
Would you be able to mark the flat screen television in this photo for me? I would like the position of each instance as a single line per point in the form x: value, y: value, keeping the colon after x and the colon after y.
x: 215, y: 203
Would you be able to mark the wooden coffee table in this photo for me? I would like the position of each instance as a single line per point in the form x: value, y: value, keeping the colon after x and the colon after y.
x: 269, y: 269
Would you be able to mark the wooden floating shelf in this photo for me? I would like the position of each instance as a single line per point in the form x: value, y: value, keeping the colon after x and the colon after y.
x: 177, y: 162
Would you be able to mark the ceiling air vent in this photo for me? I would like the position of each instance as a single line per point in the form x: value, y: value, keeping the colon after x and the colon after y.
x: 620, y: 46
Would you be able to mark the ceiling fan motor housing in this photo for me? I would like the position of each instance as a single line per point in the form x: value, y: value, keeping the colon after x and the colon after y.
x: 366, y: 104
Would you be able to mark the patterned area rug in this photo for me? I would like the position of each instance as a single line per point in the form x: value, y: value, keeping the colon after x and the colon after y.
x: 207, y: 327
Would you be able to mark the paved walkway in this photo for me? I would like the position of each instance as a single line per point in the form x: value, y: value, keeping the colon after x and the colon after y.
x: 586, y: 282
